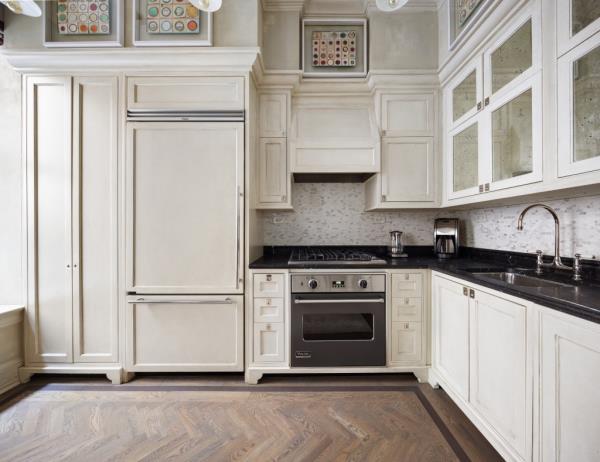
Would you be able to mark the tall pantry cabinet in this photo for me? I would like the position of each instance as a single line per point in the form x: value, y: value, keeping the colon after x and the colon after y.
x: 71, y: 156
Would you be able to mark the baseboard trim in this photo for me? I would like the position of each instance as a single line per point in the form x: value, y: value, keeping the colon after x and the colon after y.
x: 9, y: 375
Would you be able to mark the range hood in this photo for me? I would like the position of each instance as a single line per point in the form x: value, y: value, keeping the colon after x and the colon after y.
x: 334, y: 140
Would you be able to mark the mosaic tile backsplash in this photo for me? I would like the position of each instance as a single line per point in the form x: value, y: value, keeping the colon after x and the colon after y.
x: 333, y: 214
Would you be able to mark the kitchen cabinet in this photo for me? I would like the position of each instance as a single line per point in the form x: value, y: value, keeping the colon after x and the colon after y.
x: 493, y: 115
x: 273, y: 181
x: 570, y: 396
x: 482, y: 356
x: 203, y: 93
x: 408, y: 319
x: 578, y: 77
x: 498, y: 370
x: 185, y: 333
x: 72, y: 218
x: 273, y: 115
x: 185, y: 207
x: 407, y: 174
x: 274, y: 178
x: 407, y: 114
x: 267, y: 320
x: 450, y: 331
x: 577, y: 21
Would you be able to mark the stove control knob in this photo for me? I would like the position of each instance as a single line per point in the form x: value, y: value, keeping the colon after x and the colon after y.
x: 363, y: 284
x: 313, y: 284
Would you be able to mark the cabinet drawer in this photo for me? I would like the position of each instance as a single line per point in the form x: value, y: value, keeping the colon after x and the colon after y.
x: 268, y: 285
x: 407, y: 285
x: 183, y: 334
x: 185, y: 93
x: 269, y: 342
x: 268, y: 310
x: 407, y: 345
x: 407, y: 309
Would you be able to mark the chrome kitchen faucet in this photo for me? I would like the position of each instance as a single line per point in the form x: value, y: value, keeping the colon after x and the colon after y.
x: 557, y: 262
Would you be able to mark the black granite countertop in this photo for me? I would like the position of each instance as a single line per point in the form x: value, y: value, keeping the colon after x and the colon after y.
x: 581, y: 299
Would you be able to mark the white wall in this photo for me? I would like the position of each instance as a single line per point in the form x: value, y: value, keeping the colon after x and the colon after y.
x: 333, y: 214
x: 11, y: 280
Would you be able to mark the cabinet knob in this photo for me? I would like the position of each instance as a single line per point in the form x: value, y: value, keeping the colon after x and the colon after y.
x: 269, y: 278
x: 465, y: 291
x: 68, y: 266
x: 480, y: 188
x: 406, y: 301
x: 487, y: 101
x: 283, y: 198
x: 407, y: 277
x: 383, y: 198
x: 479, y: 106
x: 268, y: 326
x: 472, y: 293
x: 487, y: 187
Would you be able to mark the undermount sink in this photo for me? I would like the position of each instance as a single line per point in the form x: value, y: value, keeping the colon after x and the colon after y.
x: 522, y: 280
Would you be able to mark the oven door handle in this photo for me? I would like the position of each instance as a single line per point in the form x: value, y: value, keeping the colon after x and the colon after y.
x: 347, y: 300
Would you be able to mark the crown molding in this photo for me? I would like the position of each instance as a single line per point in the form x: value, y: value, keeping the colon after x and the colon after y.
x: 411, y: 7
x: 283, y: 5
x: 134, y: 59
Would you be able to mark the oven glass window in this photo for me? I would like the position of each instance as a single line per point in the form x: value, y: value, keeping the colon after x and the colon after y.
x: 336, y: 326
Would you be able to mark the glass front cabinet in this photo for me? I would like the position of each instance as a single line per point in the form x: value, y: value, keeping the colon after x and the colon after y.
x: 578, y: 83
x: 494, y: 111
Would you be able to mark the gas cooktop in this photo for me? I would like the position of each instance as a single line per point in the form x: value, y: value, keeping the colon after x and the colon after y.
x: 334, y: 256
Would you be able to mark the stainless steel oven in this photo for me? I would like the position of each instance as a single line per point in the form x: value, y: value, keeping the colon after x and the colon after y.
x: 338, y: 320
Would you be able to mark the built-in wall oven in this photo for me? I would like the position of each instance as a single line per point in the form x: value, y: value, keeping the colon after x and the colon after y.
x: 338, y: 320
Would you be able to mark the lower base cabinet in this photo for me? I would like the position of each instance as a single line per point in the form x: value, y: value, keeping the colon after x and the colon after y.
x: 407, y: 342
x: 185, y: 334
x: 570, y: 388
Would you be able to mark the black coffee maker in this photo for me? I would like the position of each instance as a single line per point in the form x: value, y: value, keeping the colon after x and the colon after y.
x: 446, y: 237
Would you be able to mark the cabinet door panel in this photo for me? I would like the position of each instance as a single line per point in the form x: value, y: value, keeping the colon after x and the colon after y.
x: 49, y: 217
x: 185, y: 220
x: 407, y: 285
x: 95, y: 245
x: 273, y: 116
x: 407, y: 345
x: 498, y: 389
x: 408, y: 170
x: 570, y: 373
x: 578, y: 100
x: 177, y: 334
x: 451, y: 335
x: 269, y: 343
x: 408, y: 115
x: 272, y: 171
x: 578, y: 21
x: 463, y: 166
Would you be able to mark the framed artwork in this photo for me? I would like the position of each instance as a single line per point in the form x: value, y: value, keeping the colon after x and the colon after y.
x: 170, y: 23
x: 83, y: 23
x: 334, y: 47
x: 462, y: 15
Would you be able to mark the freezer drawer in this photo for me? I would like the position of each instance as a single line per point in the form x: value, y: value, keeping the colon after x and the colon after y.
x: 185, y: 201
x: 185, y: 334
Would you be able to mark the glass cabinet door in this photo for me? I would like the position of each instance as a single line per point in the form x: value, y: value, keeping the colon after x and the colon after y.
x: 512, y: 58
x: 464, y: 96
x: 577, y: 21
x: 465, y: 93
x: 578, y: 114
x: 465, y: 161
x: 583, y: 13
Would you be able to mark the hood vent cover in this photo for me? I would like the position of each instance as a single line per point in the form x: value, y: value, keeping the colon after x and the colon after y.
x: 334, y: 138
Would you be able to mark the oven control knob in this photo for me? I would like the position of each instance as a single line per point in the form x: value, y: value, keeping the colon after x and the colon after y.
x: 363, y: 283
x: 313, y: 284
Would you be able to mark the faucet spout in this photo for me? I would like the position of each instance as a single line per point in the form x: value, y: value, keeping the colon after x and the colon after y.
x: 557, y: 260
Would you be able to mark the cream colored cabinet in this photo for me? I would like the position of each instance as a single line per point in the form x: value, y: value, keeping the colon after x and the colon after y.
x: 408, y: 320
x: 570, y: 396
x: 72, y: 175
x: 482, y: 355
x: 450, y: 332
x: 407, y: 176
x: 214, y: 93
x: 185, y: 333
x: 274, y: 179
x: 493, y: 114
x: 407, y: 115
x: 185, y: 207
x: 267, y: 320
x: 578, y: 100
x: 273, y: 115
x: 499, y: 381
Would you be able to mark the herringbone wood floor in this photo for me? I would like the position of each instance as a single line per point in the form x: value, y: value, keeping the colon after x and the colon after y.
x: 218, y: 418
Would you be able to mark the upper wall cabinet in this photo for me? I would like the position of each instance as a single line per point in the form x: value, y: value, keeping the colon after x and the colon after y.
x: 215, y: 93
x: 578, y: 101
x: 493, y: 114
x: 577, y: 21
x: 273, y: 115
x: 407, y: 115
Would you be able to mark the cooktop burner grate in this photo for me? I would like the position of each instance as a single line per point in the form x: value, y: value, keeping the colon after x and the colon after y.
x: 324, y: 255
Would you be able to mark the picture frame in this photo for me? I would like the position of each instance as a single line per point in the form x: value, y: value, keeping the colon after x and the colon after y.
x: 358, y: 26
x: 456, y: 33
x: 53, y: 39
x: 141, y: 37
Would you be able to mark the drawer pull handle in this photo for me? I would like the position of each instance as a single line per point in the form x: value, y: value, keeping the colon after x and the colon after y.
x: 269, y: 277
x: 407, y: 301
x: 407, y: 277
x: 226, y: 301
